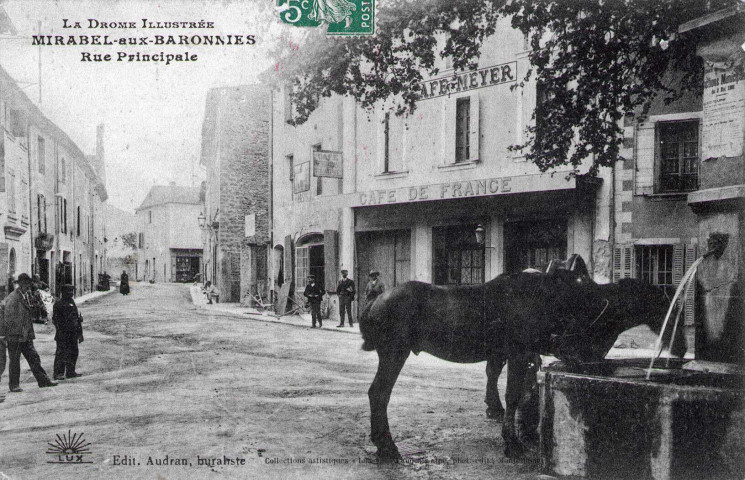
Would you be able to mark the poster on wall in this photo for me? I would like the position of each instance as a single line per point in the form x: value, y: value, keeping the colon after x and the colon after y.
x: 724, y: 111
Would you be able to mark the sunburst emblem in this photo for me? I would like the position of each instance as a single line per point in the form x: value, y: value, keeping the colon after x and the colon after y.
x: 69, y: 448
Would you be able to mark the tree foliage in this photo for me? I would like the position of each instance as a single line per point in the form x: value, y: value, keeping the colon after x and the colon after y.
x: 130, y: 240
x: 595, y: 60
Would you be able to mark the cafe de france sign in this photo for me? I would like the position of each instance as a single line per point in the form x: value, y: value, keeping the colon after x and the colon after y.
x: 466, y: 188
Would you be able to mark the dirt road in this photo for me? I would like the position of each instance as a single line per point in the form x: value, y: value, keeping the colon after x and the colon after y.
x: 170, y: 392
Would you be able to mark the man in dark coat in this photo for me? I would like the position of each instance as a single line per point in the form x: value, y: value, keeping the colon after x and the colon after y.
x: 67, y: 320
x: 124, y: 283
x: 345, y: 290
x: 374, y: 288
x: 314, y: 293
x: 18, y: 329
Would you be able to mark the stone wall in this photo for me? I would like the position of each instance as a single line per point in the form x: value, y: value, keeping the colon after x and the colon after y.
x: 243, y: 152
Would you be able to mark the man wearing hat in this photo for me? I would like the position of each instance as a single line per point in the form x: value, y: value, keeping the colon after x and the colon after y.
x: 18, y: 329
x: 314, y: 293
x: 374, y: 287
x: 345, y: 290
x: 69, y: 333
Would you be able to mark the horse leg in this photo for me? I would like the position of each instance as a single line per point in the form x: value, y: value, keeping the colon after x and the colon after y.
x: 528, y: 411
x: 516, y: 370
x: 494, y: 365
x: 389, y: 366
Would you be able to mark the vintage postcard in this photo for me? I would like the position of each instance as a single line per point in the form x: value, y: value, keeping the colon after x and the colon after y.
x: 415, y: 239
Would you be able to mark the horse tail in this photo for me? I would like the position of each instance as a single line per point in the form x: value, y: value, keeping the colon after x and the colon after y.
x: 368, y: 326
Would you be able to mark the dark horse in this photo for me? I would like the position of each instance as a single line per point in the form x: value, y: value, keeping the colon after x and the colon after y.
x: 512, y: 317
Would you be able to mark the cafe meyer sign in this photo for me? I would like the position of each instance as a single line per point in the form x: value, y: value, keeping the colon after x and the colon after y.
x: 466, y: 188
x: 327, y: 164
x: 471, y: 80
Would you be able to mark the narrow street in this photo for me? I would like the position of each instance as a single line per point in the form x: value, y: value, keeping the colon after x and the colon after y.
x: 163, y: 378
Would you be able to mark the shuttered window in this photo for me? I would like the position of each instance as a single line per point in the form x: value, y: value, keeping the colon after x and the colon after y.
x: 678, y: 156
x: 462, y: 128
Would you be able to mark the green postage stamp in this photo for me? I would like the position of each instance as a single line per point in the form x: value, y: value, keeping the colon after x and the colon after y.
x: 344, y: 17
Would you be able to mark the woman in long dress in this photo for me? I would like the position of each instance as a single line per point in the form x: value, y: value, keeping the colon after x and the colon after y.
x: 124, y: 283
x: 332, y: 11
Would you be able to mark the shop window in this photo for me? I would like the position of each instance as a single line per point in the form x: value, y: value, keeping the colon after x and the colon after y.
x: 654, y: 264
x: 459, y: 260
x: 462, y: 130
x: 677, y: 156
x: 41, y: 155
x: 533, y: 244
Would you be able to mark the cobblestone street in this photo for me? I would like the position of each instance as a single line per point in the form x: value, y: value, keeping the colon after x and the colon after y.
x: 165, y: 381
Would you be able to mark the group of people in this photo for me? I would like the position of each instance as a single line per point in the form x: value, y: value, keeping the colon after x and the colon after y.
x: 346, y: 291
x: 20, y: 309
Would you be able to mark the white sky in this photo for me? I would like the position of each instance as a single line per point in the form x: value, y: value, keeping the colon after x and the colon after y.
x: 153, y: 113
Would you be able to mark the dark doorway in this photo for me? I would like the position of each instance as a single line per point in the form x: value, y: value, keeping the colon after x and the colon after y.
x: 458, y: 259
x: 43, y: 269
x: 532, y: 244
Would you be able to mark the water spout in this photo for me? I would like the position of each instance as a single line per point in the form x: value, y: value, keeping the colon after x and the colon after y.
x: 684, y: 285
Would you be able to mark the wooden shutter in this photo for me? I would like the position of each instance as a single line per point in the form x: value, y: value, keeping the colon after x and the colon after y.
x: 691, y: 253
x: 289, y: 267
x: 447, y: 130
x: 3, y: 267
x: 474, y: 129
x: 678, y: 264
x: 623, y: 262
x: 331, y: 259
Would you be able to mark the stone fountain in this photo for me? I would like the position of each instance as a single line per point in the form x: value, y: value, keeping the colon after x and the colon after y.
x: 687, y: 420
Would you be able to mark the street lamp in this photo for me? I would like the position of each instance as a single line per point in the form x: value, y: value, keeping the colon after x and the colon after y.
x: 202, y: 220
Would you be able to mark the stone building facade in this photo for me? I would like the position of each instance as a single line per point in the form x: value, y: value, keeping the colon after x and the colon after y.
x: 406, y: 195
x: 169, y: 239
x: 53, y: 196
x: 236, y: 154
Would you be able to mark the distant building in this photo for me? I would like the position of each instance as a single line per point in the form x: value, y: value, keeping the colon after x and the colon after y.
x: 52, y: 197
x: 235, y: 152
x: 169, y: 240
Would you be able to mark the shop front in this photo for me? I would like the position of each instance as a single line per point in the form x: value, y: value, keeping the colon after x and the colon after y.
x: 470, y: 239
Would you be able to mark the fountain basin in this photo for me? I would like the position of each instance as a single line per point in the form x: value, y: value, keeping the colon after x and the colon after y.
x: 606, y: 421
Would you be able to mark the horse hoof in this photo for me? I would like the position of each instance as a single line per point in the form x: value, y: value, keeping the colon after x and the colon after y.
x: 514, y: 450
x: 495, y: 414
x: 389, y: 454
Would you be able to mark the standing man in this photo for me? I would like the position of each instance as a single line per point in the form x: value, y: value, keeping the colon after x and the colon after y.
x: 374, y: 287
x: 67, y: 320
x: 345, y: 290
x: 18, y: 329
x: 314, y: 293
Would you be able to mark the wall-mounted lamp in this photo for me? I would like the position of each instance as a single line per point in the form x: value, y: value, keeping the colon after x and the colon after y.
x: 480, y: 234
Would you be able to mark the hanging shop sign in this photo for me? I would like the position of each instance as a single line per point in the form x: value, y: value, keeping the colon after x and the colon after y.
x: 327, y: 164
x: 471, y: 80
x: 301, y: 178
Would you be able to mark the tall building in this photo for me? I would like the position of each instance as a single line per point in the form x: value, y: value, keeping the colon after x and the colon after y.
x: 53, y: 197
x: 236, y: 155
x: 169, y: 240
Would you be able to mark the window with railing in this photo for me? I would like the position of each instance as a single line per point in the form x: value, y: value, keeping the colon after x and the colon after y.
x: 654, y: 264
